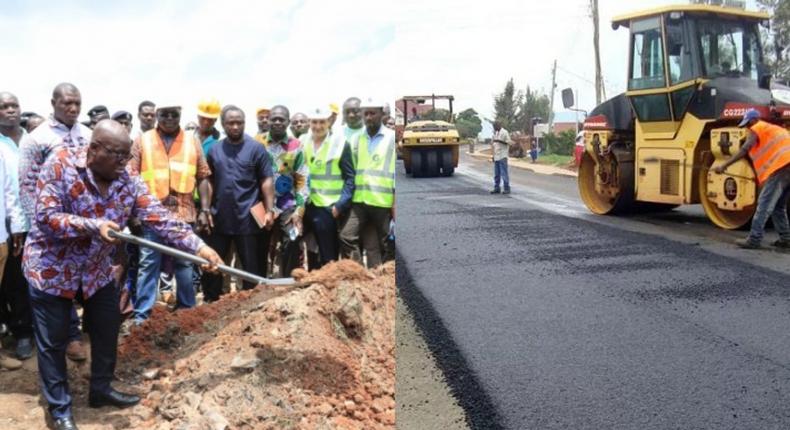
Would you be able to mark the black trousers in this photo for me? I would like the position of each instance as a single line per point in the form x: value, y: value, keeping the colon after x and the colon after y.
x: 323, y: 225
x: 289, y: 249
x: 51, y: 316
x: 252, y: 249
x: 17, y: 301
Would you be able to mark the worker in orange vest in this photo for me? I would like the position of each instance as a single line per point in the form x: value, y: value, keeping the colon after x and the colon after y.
x: 768, y: 146
x: 171, y: 162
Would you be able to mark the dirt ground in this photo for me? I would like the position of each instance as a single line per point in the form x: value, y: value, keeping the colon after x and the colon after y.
x: 320, y: 357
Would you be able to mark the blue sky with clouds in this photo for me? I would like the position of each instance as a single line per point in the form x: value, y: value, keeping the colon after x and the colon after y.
x: 304, y: 53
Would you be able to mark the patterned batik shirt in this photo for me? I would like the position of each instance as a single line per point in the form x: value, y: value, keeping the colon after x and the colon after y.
x: 290, y: 174
x: 46, y: 139
x: 64, y: 251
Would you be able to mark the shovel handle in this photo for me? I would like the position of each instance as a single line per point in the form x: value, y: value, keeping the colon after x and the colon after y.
x: 232, y: 271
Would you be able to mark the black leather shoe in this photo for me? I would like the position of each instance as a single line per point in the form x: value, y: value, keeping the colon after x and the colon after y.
x: 495, y: 191
x: 112, y: 398
x: 65, y: 424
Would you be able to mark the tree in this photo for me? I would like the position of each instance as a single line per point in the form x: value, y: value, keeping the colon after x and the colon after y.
x: 506, y: 106
x: 561, y: 143
x: 777, y: 41
x: 535, y: 105
x: 468, y: 123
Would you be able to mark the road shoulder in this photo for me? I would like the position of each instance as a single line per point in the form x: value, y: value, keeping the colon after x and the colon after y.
x: 423, y: 400
x: 541, y: 169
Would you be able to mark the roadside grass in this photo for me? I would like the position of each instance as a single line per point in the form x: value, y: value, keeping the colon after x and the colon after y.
x: 555, y: 159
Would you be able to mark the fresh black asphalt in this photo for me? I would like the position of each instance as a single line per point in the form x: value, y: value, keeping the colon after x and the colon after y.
x: 542, y: 321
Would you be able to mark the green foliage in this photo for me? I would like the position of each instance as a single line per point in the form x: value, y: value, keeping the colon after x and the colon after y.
x: 506, y: 106
x: 535, y: 105
x: 561, y: 143
x: 777, y: 39
x: 469, y: 124
x: 516, y: 109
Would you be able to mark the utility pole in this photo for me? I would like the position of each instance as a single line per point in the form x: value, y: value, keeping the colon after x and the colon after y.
x: 600, y: 93
x: 551, y: 103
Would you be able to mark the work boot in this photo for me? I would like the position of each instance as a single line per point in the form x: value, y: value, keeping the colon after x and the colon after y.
x: 507, y: 191
x: 75, y: 351
x: 747, y: 244
x: 9, y: 363
x: 24, y: 348
x: 495, y: 191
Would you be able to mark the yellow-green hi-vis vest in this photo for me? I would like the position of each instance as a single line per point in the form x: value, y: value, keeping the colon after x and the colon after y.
x: 375, y: 176
x: 326, y: 179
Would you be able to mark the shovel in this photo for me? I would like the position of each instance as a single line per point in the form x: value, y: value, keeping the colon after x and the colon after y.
x: 232, y: 271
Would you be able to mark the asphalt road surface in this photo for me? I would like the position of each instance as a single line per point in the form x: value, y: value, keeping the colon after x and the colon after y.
x: 541, y: 315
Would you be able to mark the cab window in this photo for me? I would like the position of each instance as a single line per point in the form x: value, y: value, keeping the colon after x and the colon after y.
x: 647, y: 55
x: 729, y: 48
x: 678, y: 53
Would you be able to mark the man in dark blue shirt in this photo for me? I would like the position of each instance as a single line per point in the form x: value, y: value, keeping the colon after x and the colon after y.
x: 241, y: 177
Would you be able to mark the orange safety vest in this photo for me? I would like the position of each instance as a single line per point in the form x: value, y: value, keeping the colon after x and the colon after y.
x: 165, y: 171
x: 772, y: 151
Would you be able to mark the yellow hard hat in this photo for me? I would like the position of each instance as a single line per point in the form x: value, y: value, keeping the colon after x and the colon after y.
x: 209, y: 108
x: 334, y: 108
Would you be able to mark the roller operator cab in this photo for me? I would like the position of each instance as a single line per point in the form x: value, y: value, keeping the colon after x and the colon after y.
x: 693, y: 71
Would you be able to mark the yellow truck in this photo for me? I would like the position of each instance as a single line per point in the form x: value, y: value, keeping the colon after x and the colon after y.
x: 693, y: 71
x: 428, y: 147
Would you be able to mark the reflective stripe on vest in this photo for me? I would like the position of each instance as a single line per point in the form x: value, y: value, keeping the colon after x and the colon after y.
x: 772, y: 151
x: 325, y: 180
x: 163, y: 171
x: 375, y: 176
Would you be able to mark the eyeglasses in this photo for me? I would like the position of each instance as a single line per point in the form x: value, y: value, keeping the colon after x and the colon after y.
x: 169, y: 114
x: 120, y: 156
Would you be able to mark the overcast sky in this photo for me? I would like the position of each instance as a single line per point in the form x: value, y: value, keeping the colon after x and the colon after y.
x: 305, y: 53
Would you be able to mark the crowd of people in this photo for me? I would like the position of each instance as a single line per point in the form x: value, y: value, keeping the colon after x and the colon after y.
x: 300, y: 193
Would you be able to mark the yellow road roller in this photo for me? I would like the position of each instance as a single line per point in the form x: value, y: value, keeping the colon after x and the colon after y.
x: 693, y: 71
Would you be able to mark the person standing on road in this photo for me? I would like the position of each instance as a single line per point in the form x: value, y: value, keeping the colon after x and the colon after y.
x: 241, y: 176
x: 500, y: 144
x: 60, y: 130
x: 171, y: 162
x: 13, y: 288
x: 146, y: 113
x: 373, y: 204
x: 768, y: 146
x: 290, y: 187
x: 331, y: 184
x: 83, y: 194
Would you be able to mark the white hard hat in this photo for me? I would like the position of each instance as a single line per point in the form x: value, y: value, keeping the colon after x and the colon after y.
x: 319, y: 113
x: 169, y: 104
x: 371, y: 102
